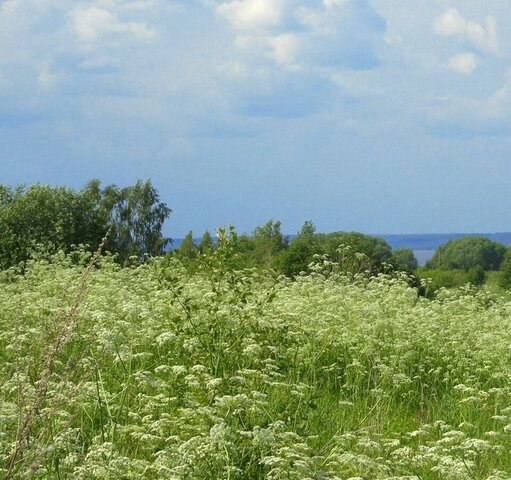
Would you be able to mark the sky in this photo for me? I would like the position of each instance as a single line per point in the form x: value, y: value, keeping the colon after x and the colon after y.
x: 381, y: 116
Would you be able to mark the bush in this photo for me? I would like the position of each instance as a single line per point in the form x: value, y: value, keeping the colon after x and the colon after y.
x: 468, y: 252
x: 156, y: 371
x: 476, y: 276
x: 403, y: 259
x: 375, y: 249
x: 505, y: 270
x: 442, y: 279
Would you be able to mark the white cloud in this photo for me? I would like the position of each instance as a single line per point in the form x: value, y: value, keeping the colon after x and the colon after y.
x: 481, y: 37
x: 293, y: 33
x: 285, y: 48
x: 252, y: 14
x: 467, y: 116
x: 450, y: 23
x: 127, y: 5
x: 500, y: 102
x: 334, y: 3
x: 8, y: 7
x: 46, y: 79
x: 92, y: 23
x: 463, y: 63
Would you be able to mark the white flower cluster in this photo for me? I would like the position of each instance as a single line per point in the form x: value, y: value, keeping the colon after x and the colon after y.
x: 223, y: 374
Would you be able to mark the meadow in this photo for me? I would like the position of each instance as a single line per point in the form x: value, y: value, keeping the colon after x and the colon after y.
x: 158, y: 371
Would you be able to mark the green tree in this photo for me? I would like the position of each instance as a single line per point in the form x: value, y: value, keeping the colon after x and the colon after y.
x: 439, y: 278
x: 137, y: 218
x: 56, y: 218
x: 476, y: 276
x: 505, y: 270
x: 206, y: 243
x: 301, y: 251
x: 268, y: 242
x: 375, y: 249
x: 403, y: 259
x: 188, y: 250
x: 244, y: 245
x: 42, y: 216
x: 467, y: 252
x: 243, y: 251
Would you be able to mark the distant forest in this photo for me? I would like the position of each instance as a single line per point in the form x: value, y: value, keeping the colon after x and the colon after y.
x: 40, y: 221
x: 413, y: 241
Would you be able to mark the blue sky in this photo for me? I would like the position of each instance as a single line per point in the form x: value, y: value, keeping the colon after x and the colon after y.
x: 383, y: 116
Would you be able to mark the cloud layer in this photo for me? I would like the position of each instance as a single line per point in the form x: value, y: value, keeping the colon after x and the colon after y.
x: 245, y: 92
x: 301, y: 34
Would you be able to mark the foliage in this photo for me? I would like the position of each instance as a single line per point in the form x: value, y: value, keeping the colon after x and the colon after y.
x: 404, y: 259
x: 187, y: 249
x: 505, y: 270
x: 43, y: 218
x: 136, y: 215
x: 301, y: 251
x: 439, y: 278
x: 468, y: 252
x: 268, y: 242
x: 375, y: 249
x: 269, y: 248
x: 476, y: 276
x: 206, y: 243
x: 221, y: 373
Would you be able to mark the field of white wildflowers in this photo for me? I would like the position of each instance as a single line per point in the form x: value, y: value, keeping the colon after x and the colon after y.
x: 156, y: 372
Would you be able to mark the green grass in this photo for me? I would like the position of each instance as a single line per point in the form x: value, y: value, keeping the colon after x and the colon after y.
x: 222, y: 374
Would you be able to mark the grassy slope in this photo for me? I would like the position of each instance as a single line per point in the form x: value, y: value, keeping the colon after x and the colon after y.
x: 167, y: 374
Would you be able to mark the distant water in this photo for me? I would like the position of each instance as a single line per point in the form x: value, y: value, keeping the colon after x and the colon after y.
x: 423, y: 256
x: 431, y: 241
x: 424, y: 245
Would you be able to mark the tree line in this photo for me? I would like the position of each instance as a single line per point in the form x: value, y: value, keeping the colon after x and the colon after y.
x: 468, y: 259
x: 47, y: 219
x: 43, y: 219
x: 267, y: 246
x: 458, y: 262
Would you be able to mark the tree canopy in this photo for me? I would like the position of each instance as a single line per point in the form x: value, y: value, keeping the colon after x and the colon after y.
x: 268, y: 242
x: 206, y: 242
x: 376, y: 249
x: 53, y: 218
x: 467, y: 252
x: 301, y: 251
x: 187, y: 249
x: 404, y: 259
x: 505, y: 270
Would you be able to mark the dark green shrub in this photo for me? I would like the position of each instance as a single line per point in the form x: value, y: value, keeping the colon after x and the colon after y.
x: 442, y: 279
x: 403, y: 259
x: 505, y: 270
x: 468, y: 252
x: 476, y: 276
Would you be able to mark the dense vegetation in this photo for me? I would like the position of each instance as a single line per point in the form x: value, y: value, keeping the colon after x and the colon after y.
x: 44, y: 219
x: 242, y: 357
x: 268, y: 247
x: 468, y: 252
x: 163, y: 371
x: 505, y: 270
x: 41, y: 220
x: 457, y: 263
